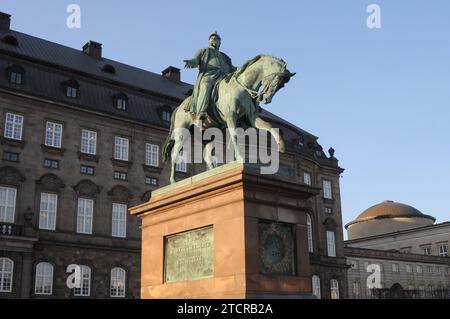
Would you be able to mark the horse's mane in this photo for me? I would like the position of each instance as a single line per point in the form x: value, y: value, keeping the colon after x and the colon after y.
x: 255, y: 59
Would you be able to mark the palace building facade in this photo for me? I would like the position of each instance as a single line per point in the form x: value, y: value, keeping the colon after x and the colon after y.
x: 81, y: 139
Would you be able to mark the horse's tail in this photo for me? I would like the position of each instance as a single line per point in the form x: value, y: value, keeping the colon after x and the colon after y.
x: 168, y: 144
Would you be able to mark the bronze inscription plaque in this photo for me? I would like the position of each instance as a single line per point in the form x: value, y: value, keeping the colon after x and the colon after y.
x: 277, y: 248
x: 189, y: 255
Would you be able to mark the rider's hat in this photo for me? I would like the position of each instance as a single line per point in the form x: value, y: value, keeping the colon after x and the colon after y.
x: 215, y: 34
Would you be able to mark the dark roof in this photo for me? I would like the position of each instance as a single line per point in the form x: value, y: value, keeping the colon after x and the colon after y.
x: 49, y: 64
x: 57, y: 54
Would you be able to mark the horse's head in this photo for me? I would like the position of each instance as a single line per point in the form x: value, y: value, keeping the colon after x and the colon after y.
x: 273, y: 82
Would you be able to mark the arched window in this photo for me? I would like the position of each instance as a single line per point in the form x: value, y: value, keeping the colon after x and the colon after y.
x: 117, y: 282
x: 108, y: 68
x: 310, y: 234
x: 85, y: 287
x: 334, y: 288
x: 11, y: 40
x: 6, y: 274
x: 44, y: 279
x: 316, y: 286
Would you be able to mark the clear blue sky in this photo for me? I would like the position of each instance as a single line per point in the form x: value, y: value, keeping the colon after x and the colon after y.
x: 381, y: 98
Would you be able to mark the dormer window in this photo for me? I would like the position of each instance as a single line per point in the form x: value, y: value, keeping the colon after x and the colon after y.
x: 108, y: 68
x: 71, y: 89
x: 11, y: 40
x: 16, y: 74
x: 166, y: 116
x: 120, y: 101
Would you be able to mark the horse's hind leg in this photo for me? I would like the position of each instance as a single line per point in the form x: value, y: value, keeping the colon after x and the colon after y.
x: 259, y: 123
x: 208, y: 157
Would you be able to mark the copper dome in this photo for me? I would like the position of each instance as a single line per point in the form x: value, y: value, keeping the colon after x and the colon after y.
x: 389, y: 209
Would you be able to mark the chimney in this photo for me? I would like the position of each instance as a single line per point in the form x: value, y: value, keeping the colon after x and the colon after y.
x: 5, y: 21
x: 172, y: 73
x: 93, y: 49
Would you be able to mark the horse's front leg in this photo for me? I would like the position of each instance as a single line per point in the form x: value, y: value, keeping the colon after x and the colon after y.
x: 174, y: 155
x: 231, y: 124
x: 259, y: 123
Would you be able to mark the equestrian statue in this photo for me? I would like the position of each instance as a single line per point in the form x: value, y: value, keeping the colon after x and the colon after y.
x: 224, y: 96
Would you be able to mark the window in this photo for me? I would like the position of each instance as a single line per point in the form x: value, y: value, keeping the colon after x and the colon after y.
x: 408, y: 268
x: 84, y: 216
x: 366, y: 266
x: 327, y: 192
x: 121, y: 148
x: 429, y: 269
x: 53, y: 134
x: 443, y: 250
x: 334, y: 287
x: 85, y: 287
x: 419, y: 269
x: 353, y: 264
x: 10, y: 156
x: 405, y: 250
x: 307, y: 178
x: 328, y: 210
x: 422, y: 291
x: 7, y: 204
x: 438, y: 270
x: 117, y: 283
x: 394, y: 267
x: 426, y: 250
x: 316, y: 286
x: 15, y: 77
x: 447, y: 270
x: 121, y: 104
x: 44, y: 279
x: 47, y: 212
x: 151, y: 154
x: 356, y: 290
x: 180, y: 165
x: 71, y: 91
x: 166, y: 116
x: 120, y: 176
x: 6, y: 274
x: 331, y: 244
x: 151, y: 181
x: 88, y: 170
x: 88, y: 142
x: 119, y: 220
x: 310, y: 234
x: 49, y: 163
x: 13, y: 126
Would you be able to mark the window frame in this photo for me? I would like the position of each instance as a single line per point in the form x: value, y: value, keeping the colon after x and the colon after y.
x: 52, y: 132
x: 315, y: 285
x: 16, y: 128
x: 83, y: 282
x: 307, y: 179
x: 331, y: 243
x: 86, y: 142
x: 152, y: 154
x: 121, y: 148
x: 82, y: 218
x: 309, y: 230
x: 114, y: 280
x: 181, y: 163
x: 8, y: 218
x: 334, y: 289
x: 327, y: 192
x: 119, y: 222
x: 43, y: 277
x: 53, y: 216
x: 4, y: 273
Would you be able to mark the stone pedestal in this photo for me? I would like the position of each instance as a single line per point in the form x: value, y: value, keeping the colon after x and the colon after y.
x: 227, y: 233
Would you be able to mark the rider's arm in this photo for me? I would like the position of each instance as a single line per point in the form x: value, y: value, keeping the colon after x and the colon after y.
x: 195, y: 62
